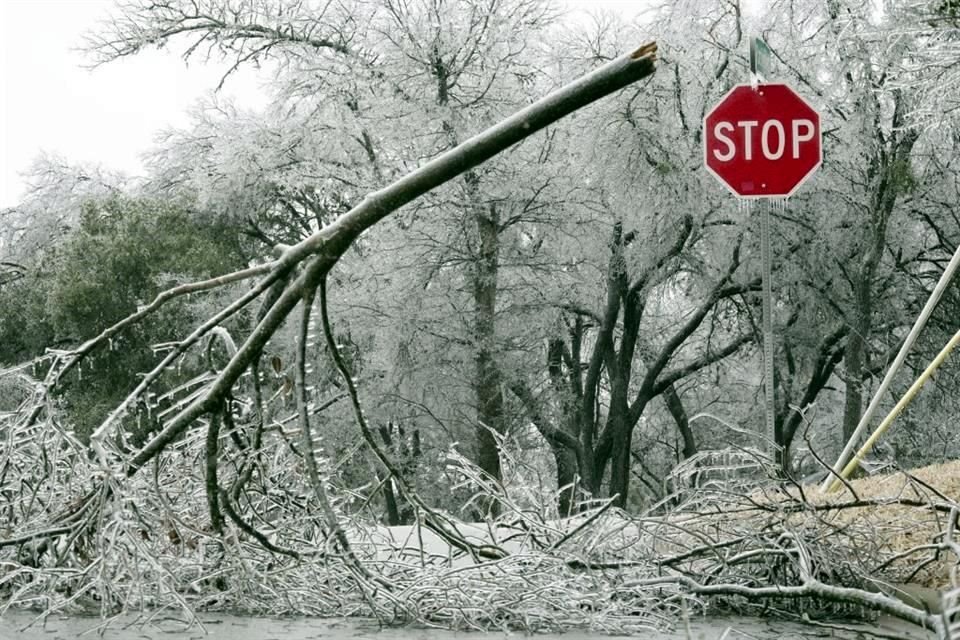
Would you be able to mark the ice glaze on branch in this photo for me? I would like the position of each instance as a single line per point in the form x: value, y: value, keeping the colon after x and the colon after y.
x: 330, y: 243
x: 248, y: 30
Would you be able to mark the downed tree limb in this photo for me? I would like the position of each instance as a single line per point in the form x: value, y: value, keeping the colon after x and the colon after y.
x: 811, y: 588
x: 329, y: 244
x: 308, y: 262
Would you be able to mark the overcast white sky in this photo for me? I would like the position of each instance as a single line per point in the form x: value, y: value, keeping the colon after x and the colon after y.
x: 109, y: 115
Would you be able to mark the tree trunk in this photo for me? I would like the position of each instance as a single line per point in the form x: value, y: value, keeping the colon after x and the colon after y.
x: 567, y: 479
x: 855, y: 355
x: 889, y: 170
x: 789, y: 420
x: 620, y: 467
x: 675, y: 407
x: 390, y: 500
x: 489, y: 397
x: 621, y: 437
x: 394, y: 516
x: 488, y: 391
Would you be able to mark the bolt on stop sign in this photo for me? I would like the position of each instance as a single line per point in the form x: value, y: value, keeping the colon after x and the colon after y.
x: 762, y: 142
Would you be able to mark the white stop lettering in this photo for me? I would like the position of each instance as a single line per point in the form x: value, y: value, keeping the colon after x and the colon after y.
x: 773, y: 138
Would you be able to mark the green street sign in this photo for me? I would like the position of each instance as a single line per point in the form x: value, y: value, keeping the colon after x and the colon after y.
x: 760, y: 58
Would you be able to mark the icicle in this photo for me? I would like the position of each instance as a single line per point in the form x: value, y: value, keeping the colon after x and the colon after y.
x: 744, y: 205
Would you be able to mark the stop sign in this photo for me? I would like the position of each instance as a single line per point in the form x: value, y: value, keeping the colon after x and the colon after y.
x: 762, y: 142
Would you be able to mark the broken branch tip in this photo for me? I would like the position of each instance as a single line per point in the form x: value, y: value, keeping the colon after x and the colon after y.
x: 647, y: 50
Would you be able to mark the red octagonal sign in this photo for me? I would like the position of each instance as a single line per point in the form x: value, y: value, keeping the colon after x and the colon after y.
x: 762, y: 142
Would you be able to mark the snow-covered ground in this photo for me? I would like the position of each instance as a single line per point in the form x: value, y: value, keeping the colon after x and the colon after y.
x: 225, y: 627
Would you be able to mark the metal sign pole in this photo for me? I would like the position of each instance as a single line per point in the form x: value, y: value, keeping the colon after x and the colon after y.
x: 736, y: 150
x: 759, y: 66
x: 768, y: 375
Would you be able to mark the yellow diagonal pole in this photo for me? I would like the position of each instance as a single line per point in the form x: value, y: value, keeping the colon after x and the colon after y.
x: 904, y: 401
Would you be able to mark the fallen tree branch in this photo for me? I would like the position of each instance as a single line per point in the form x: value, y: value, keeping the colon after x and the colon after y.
x: 330, y: 243
x: 162, y: 298
x: 811, y: 588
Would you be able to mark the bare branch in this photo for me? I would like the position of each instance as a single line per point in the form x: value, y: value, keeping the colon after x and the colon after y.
x: 332, y: 241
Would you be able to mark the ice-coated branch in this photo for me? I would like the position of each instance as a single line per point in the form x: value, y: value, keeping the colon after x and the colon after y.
x: 329, y: 244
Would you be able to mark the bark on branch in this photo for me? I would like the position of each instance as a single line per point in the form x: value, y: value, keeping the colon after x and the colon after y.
x: 327, y: 245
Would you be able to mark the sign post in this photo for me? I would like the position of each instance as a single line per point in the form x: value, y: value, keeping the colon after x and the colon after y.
x: 763, y: 141
x: 769, y: 381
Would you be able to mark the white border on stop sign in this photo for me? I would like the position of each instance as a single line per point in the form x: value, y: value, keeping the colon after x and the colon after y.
x: 759, y: 87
